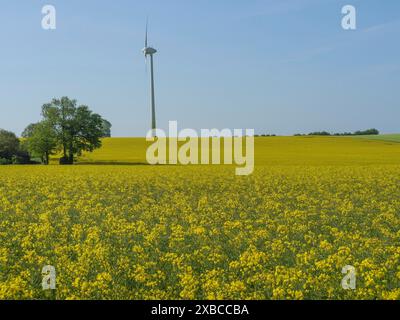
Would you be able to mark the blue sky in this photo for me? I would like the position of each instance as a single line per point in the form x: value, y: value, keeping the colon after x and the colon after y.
x: 278, y: 66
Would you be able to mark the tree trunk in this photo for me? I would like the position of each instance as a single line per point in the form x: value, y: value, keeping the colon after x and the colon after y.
x: 71, y: 155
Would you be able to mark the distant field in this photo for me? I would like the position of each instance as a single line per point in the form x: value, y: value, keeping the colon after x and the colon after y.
x: 270, y: 151
x: 118, y: 150
x: 383, y: 137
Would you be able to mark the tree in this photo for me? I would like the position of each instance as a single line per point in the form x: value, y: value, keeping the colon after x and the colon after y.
x: 87, y: 131
x: 41, y: 140
x: 60, y: 115
x: 106, y: 126
x: 319, y: 133
x: 367, y: 132
x: 76, y: 129
x: 28, y: 130
x: 9, y: 145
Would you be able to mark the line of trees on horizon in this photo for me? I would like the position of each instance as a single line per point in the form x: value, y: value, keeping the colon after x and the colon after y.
x: 65, y: 127
x: 368, y: 132
x: 326, y: 133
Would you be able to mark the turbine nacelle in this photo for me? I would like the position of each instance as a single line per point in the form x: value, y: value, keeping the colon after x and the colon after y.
x: 149, y: 51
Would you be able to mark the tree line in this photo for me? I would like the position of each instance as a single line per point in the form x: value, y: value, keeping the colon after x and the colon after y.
x: 326, y: 133
x: 356, y: 133
x: 65, y: 128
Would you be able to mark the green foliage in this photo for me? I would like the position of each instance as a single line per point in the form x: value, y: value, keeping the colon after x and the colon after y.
x: 357, y: 133
x: 41, y: 140
x: 22, y: 157
x: 76, y: 128
x: 5, y: 161
x: 343, y: 134
x: 11, y: 150
x: 28, y: 130
x: 106, y: 127
x: 9, y: 144
x: 265, y: 135
x: 321, y: 133
x: 367, y: 132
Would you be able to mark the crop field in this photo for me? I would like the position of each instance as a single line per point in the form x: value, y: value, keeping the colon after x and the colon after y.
x: 115, y: 228
x: 383, y: 137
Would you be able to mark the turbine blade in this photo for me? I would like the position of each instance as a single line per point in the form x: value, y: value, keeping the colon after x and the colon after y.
x: 147, y: 26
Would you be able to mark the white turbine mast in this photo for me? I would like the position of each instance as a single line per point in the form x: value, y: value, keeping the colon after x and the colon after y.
x: 149, y: 51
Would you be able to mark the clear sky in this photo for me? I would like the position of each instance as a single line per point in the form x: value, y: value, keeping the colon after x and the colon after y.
x: 278, y: 66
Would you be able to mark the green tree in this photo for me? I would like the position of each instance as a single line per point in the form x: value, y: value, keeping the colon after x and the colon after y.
x: 319, y: 133
x: 28, y: 130
x: 76, y: 129
x: 106, y: 125
x: 41, y: 140
x: 9, y: 145
x: 367, y: 132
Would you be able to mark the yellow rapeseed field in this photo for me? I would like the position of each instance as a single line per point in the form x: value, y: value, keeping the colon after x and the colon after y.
x: 311, y: 207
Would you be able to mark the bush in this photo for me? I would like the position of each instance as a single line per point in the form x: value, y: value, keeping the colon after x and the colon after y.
x: 357, y: 133
x: 23, y: 158
x: 4, y: 161
x: 65, y: 161
x: 367, y: 132
x: 322, y: 133
x: 9, y: 144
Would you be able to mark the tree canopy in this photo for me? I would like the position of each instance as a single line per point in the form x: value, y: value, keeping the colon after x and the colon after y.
x: 76, y: 128
x: 41, y: 140
x: 106, y: 125
x: 67, y: 127
x: 9, y: 145
x: 356, y: 133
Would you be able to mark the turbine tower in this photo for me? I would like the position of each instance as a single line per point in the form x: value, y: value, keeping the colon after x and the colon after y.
x: 149, y: 51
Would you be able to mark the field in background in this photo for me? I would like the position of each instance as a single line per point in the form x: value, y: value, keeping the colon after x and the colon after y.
x: 383, y: 137
x: 269, y: 151
x: 312, y: 206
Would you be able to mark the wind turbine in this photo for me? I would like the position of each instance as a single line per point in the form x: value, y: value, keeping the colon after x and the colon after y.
x: 149, y: 51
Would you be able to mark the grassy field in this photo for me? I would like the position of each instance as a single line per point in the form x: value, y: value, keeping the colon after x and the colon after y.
x: 383, y: 137
x: 312, y: 206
